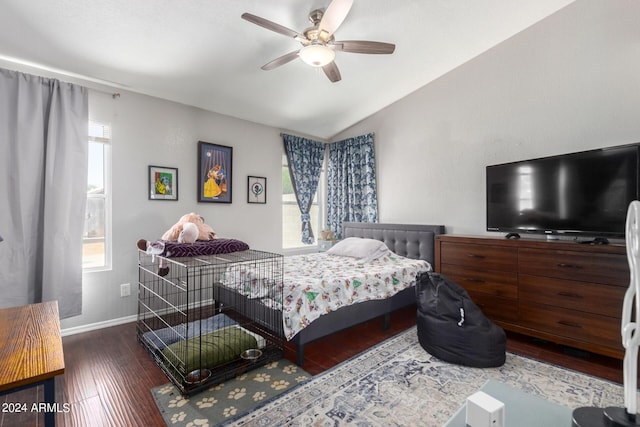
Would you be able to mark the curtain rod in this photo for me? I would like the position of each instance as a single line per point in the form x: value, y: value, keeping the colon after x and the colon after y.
x: 301, y: 136
x: 282, y: 133
x: 28, y: 67
x: 113, y: 95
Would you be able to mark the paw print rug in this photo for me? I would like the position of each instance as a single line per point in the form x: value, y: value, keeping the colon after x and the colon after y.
x: 227, y: 401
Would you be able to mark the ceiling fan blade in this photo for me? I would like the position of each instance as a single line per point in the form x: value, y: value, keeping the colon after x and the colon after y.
x: 280, y: 60
x: 269, y: 25
x: 332, y: 72
x: 360, y: 46
x: 335, y: 14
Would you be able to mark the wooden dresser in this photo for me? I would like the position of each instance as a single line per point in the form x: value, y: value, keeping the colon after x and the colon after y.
x: 561, y: 291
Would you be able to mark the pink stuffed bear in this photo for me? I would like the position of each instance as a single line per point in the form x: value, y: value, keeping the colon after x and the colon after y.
x: 178, y: 233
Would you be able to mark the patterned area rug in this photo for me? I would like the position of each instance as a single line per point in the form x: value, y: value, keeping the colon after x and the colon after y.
x: 398, y: 384
x: 227, y: 401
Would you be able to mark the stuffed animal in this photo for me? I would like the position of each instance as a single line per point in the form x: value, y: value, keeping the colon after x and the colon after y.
x: 188, y: 229
x: 205, y: 232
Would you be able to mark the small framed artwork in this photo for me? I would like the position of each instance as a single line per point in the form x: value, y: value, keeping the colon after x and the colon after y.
x: 214, y: 172
x: 163, y: 183
x: 257, y: 189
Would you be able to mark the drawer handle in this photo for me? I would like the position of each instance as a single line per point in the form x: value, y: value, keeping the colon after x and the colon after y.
x: 570, y: 295
x: 475, y: 256
x: 563, y: 265
x: 471, y: 279
x: 570, y: 324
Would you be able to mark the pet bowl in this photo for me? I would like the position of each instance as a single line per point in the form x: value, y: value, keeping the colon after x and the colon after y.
x: 197, y: 376
x: 251, y: 355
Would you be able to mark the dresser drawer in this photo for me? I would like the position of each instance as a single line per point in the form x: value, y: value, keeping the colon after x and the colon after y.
x: 588, y: 267
x: 491, y: 282
x: 570, y: 294
x: 571, y: 324
x: 496, y: 308
x: 479, y: 256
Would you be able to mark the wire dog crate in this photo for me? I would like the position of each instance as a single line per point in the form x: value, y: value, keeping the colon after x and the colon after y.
x: 209, y: 318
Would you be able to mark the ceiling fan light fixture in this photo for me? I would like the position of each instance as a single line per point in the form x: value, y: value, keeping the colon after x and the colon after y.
x: 318, y: 41
x: 317, y: 55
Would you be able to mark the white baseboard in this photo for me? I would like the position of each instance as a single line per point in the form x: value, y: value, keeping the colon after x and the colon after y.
x: 98, y: 325
x: 122, y: 320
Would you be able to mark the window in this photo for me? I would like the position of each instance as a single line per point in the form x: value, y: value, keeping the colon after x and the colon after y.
x: 96, y: 244
x: 291, y: 223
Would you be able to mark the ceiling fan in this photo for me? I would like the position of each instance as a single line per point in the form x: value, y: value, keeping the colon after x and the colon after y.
x: 318, y: 43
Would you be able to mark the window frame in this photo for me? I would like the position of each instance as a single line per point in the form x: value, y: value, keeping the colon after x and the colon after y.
x: 106, y: 195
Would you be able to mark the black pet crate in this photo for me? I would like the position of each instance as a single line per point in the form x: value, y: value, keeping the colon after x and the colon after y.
x: 205, y: 320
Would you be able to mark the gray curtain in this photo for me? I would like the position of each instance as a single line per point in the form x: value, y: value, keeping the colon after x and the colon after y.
x: 351, y: 182
x: 43, y: 182
x: 305, y: 158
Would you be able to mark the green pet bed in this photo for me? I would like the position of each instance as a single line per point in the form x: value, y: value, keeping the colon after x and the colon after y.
x: 208, y: 350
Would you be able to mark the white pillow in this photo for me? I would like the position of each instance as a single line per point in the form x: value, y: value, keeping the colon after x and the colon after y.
x: 364, y: 249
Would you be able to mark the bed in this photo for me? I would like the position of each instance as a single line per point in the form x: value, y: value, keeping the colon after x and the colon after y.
x: 408, y: 240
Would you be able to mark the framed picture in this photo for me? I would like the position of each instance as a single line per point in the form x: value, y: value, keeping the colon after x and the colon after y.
x: 214, y: 172
x: 257, y: 189
x: 163, y: 183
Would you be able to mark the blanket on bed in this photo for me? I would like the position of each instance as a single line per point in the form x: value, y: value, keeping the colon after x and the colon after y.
x: 318, y: 283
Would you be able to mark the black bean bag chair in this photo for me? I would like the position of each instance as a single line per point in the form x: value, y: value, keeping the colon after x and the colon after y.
x: 452, y: 328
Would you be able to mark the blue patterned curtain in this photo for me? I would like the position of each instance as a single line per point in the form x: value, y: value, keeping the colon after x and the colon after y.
x: 305, y: 158
x: 351, y: 182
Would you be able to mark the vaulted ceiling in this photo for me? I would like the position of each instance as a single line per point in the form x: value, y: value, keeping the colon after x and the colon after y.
x: 201, y: 53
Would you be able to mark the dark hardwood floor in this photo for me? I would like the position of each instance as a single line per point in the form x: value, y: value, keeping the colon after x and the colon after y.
x: 108, y: 374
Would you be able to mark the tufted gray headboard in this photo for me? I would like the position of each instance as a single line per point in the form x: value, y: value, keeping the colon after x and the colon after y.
x: 410, y: 240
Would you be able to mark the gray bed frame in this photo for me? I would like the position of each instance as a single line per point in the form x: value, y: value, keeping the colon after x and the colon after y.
x: 409, y: 240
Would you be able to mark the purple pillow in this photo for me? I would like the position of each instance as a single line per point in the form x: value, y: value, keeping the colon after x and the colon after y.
x: 203, y: 247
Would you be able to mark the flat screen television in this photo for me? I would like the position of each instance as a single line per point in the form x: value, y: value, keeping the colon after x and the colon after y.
x: 583, y: 194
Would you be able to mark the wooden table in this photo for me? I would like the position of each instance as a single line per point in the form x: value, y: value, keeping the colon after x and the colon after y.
x: 31, y: 352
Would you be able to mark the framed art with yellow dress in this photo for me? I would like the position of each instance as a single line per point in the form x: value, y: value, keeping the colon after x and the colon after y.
x: 214, y: 172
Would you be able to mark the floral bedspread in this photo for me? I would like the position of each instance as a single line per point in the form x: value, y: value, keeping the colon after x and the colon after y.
x: 319, y: 283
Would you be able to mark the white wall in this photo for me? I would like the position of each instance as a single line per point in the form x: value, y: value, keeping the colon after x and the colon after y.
x: 569, y: 83
x: 149, y: 131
